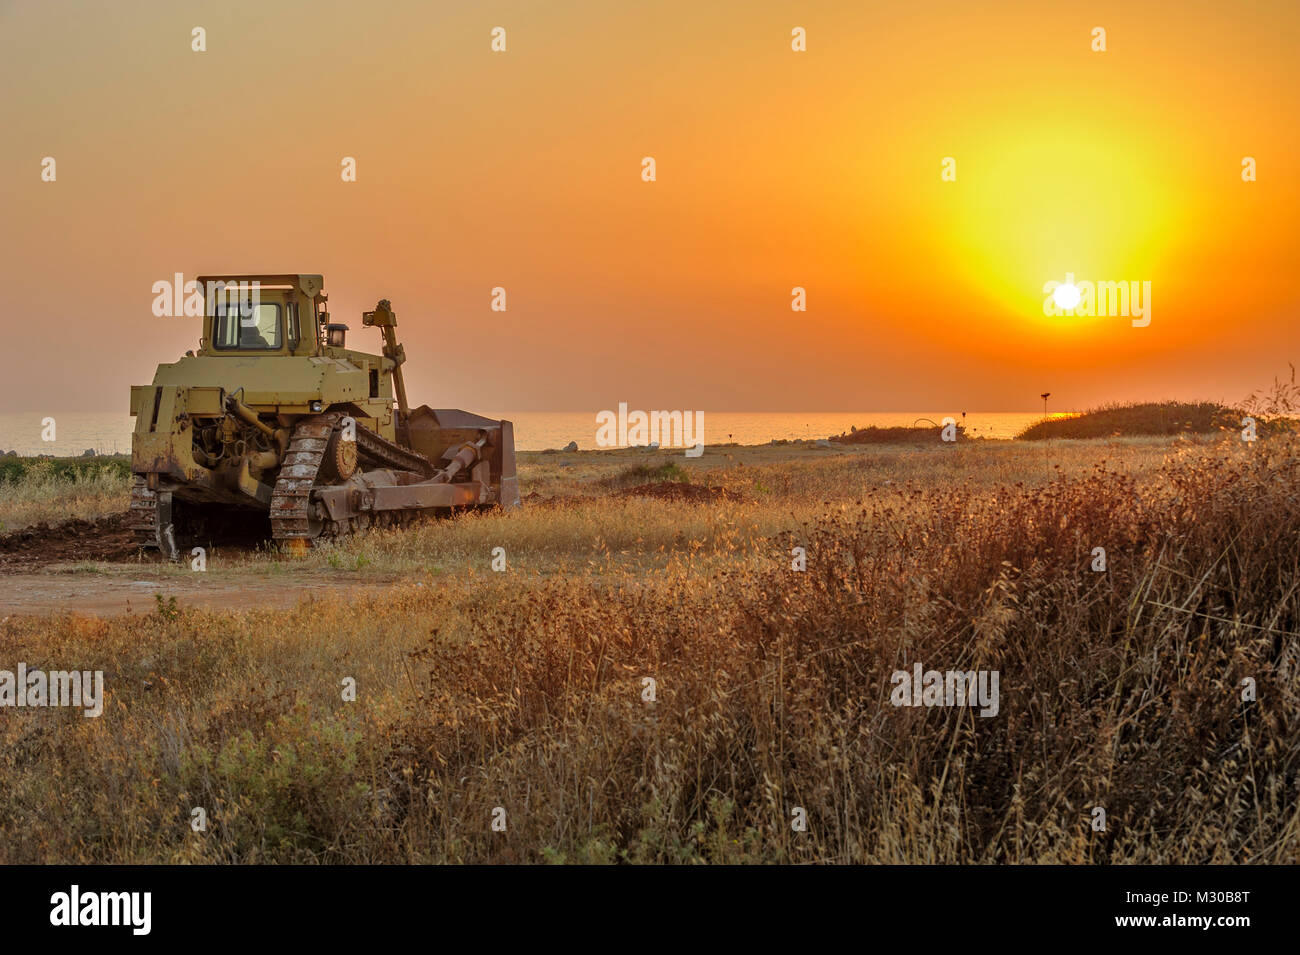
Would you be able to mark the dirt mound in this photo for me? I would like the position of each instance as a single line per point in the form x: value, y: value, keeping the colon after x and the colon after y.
x: 682, y: 492
x: 105, y: 538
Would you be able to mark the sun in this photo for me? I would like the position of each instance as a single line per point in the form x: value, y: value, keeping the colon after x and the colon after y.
x: 1066, y: 296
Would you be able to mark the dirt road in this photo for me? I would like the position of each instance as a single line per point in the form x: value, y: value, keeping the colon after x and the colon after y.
x: 50, y: 568
x: 51, y: 592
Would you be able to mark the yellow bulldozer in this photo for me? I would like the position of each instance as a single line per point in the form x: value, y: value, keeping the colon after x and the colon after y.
x: 275, y: 426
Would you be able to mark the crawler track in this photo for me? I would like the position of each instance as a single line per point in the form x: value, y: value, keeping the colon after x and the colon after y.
x: 291, y: 509
x: 142, y: 518
x: 293, y: 513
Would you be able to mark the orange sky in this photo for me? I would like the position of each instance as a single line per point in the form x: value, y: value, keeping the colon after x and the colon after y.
x: 775, y: 169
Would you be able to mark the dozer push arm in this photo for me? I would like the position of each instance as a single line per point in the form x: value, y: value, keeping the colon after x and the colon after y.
x: 384, y: 318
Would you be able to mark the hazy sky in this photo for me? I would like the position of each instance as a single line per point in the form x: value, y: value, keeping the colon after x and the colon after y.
x: 775, y: 169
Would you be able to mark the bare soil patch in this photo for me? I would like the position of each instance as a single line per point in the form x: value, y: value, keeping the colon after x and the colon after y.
x: 104, y: 539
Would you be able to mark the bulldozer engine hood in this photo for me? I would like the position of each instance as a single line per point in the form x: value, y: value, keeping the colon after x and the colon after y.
x: 284, y: 383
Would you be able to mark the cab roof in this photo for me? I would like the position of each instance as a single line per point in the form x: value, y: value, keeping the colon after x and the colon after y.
x: 311, y: 285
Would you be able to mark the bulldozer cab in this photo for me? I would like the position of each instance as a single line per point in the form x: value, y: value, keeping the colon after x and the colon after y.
x: 244, y: 326
x: 262, y: 314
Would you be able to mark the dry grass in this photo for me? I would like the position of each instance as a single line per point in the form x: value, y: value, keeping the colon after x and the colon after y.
x: 41, y: 491
x: 523, y: 690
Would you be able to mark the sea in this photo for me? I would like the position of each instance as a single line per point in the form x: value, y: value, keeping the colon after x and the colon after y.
x: 74, y: 433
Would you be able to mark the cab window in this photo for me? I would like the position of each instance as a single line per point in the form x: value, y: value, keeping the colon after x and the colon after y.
x: 252, y: 326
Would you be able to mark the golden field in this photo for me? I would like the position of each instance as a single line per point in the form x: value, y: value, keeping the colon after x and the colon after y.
x: 523, y: 690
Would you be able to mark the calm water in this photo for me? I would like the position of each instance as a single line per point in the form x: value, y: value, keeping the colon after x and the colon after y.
x: 534, y: 430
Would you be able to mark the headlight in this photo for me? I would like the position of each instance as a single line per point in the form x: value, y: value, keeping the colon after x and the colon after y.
x: 315, y: 406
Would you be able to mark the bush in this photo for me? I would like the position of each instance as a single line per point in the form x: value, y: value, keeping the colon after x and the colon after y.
x: 897, y: 435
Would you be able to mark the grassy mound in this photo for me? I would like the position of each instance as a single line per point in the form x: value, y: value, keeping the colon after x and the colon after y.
x: 1127, y: 420
x: 897, y: 435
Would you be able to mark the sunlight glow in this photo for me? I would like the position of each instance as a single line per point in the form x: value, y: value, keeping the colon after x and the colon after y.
x: 1066, y: 296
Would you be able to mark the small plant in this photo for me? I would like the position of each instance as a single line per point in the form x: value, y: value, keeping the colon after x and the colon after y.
x: 1283, y: 400
x: 668, y: 472
x: 166, y: 609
